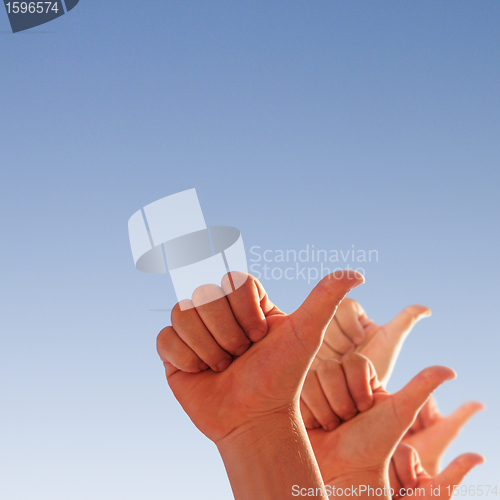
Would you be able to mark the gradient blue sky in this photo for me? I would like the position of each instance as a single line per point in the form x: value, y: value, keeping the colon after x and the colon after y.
x: 327, y: 123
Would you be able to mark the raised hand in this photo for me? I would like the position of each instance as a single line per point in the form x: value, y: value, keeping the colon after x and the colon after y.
x: 335, y: 391
x: 367, y: 438
x: 251, y: 408
x: 260, y: 381
x: 432, y: 433
x: 407, y: 474
x: 353, y: 331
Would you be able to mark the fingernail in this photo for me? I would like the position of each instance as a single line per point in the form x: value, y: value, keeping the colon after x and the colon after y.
x: 222, y: 365
x: 331, y: 427
x: 203, y: 366
x: 360, y: 279
x: 256, y: 334
x: 242, y: 349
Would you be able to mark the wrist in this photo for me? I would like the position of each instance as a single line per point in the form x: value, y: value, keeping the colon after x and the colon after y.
x: 255, y: 433
x: 268, y: 456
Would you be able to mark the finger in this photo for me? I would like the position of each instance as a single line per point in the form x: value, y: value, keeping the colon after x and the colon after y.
x: 405, y: 459
x: 310, y: 320
x: 440, y: 435
x: 361, y: 379
x: 316, y: 401
x: 347, y: 317
x: 214, y: 310
x: 389, y: 340
x: 325, y: 352
x: 244, y: 294
x: 409, y: 400
x: 458, y: 469
x: 170, y: 369
x: 173, y: 350
x: 307, y: 416
x: 401, y: 325
x: 460, y: 417
x: 336, y: 339
x: 332, y: 378
x: 191, y: 329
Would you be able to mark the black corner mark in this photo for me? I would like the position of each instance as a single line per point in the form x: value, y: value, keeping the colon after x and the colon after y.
x: 70, y: 4
x: 27, y: 14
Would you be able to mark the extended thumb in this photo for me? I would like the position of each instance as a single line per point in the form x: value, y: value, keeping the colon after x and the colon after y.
x: 313, y: 316
x: 455, y: 472
x: 415, y: 393
x: 400, y: 326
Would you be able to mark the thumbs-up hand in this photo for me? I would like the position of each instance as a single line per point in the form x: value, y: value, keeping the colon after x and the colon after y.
x: 408, y: 477
x: 365, y: 443
x: 267, y: 375
x: 432, y: 433
x: 353, y: 331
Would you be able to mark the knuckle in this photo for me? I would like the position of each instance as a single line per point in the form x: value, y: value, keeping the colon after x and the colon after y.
x: 345, y: 410
x: 236, y: 344
x: 191, y: 364
x: 329, y: 421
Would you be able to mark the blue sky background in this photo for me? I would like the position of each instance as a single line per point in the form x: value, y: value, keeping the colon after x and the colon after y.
x: 327, y: 123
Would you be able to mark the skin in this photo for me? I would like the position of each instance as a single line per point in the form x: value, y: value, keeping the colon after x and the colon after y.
x: 357, y: 452
x: 366, y: 442
x: 351, y: 330
x: 407, y: 473
x: 257, y: 396
x: 360, y: 444
x: 432, y: 433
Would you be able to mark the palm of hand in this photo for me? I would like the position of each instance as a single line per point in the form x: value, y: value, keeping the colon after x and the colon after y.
x: 218, y: 403
x: 363, y: 443
x: 434, y: 432
x: 381, y: 343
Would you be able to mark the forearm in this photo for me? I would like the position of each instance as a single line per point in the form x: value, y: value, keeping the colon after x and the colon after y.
x: 267, y: 459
